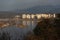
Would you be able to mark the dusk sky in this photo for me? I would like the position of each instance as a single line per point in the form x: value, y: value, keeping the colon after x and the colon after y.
x: 7, y: 5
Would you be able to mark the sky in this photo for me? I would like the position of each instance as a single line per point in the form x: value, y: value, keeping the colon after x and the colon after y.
x: 8, y: 5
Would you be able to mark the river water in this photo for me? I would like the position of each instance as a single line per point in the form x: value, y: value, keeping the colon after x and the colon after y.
x: 30, y: 25
x: 17, y: 32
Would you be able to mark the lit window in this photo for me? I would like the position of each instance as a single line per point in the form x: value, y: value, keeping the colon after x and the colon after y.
x: 38, y: 16
x: 32, y: 16
x: 28, y: 16
x: 24, y: 16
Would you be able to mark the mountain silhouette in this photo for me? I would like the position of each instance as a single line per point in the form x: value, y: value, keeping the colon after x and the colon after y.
x: 41, y: 9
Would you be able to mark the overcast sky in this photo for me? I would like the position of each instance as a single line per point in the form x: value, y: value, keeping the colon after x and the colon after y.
x: 7, y: 5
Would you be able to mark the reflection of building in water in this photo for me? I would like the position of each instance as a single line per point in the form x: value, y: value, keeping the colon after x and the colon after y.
x: 17, y: 20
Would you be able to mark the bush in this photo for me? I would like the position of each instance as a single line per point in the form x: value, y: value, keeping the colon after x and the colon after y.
x: 46, y: 29
x: 41, y: 26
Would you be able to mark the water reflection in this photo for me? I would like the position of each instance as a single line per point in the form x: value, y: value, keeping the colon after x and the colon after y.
x: 30, y: 24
